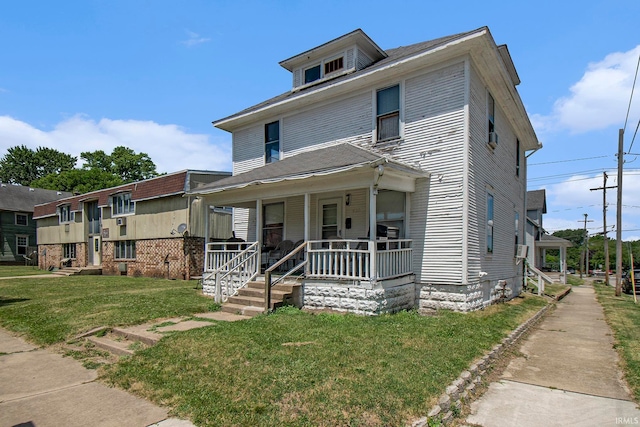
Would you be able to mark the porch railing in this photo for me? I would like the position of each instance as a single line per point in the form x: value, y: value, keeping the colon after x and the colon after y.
x: 352, y: 259
x: 232, y: 266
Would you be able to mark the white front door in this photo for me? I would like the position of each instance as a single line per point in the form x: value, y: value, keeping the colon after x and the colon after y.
x: 330, y: 218
x: 96, y: 250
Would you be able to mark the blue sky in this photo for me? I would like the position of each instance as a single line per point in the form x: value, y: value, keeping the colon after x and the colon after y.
x: 153, y: 75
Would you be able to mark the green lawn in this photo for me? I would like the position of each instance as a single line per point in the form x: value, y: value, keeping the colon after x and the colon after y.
x: 298, y: 369
x: 623, y: 315
x: 50, y: 310
x: 20, y: 270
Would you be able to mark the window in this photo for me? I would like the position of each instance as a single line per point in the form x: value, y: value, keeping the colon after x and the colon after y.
x: 312, y: 74
x: 388, y: 113
x: 272, y: 142
x: 335, y: 65
x: 272, y: 224
x: 22, y: 242
x: 122, y: 204
x: 489, y: 223
x: 390, y: 206
x: 517, y: 157
x: 22, y: 219
x: 491, y: 114
x: 69, y: 250
x: 125, y: 249
x: 66, y: 215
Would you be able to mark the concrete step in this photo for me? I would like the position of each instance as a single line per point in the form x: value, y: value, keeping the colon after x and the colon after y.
x: 119, y: 348
x: 137, y: 334
x: 241, y: 309
x: 276, y: 294
x: 246, y: 300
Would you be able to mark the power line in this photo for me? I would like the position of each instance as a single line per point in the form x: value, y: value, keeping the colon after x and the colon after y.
x: 567, y: 160
x: 631, y: 97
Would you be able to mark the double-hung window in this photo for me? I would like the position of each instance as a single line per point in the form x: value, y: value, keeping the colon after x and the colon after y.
x: 125, y: 249
x: 388, y: 113
x: 273, y: 224
x: 489, y: 223
x: 22, y: 219
x: 272, y: 142
x: 122, y: 204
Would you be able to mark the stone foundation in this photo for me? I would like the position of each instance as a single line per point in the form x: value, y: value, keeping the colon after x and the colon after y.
x: 465, y: 297
x: 354, y: 299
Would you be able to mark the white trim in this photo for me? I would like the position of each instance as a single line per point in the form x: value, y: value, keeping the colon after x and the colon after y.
x: 465, y: 173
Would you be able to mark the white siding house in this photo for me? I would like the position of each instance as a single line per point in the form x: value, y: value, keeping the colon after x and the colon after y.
x: 429, y: 139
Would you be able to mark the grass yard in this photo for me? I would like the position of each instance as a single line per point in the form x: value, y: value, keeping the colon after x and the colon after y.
x: 623, y: 315
x: 298, y: 369
x: 20, y: 270
x: 50, y: 309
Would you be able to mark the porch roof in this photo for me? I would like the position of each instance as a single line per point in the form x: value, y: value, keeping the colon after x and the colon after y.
x: 548, y: 241
x: 321, y: 162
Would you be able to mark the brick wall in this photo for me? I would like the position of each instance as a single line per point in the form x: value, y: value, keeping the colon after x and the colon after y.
x: 179, y: 258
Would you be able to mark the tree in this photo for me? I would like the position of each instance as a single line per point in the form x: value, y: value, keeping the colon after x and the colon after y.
x: 122, y: 162
x: 79, y: 181
x: 22, y: 165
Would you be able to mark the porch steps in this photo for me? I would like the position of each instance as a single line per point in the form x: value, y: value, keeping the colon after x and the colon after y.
x: 250, y: 300
x: 76, y: 271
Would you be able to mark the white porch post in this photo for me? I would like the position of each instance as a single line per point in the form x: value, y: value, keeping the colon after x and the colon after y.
x: 207, y: 209
x: 307, y: 227
x: 373, y: 193
x: 563, y: 264
x: 259, y: 229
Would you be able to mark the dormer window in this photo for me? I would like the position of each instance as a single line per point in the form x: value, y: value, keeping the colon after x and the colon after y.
x: 335, y: 65
x: 312, y: 74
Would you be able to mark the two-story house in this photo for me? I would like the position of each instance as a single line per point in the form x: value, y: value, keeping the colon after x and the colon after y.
x: 399, y: 173
x: 537, y: 238
x: 146, y: 228
x: 17, y: 226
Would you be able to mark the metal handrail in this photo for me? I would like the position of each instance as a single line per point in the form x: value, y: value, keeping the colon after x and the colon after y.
x: 267, y: 273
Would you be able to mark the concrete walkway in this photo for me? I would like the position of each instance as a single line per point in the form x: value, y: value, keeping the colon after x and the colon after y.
x: 39, y: 388
x: 568, y: 374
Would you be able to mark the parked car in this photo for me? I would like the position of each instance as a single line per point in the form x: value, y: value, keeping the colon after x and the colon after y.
x: 627, y: 287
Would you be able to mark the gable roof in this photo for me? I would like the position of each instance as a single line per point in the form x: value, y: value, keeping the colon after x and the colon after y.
x: 323, y: 161
x: 20, y: 198
x: 162, y: 186
x: 537, y: 200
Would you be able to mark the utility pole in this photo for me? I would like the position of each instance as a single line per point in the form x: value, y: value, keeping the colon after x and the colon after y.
x: 585, y: 253
x: 604, y: 226
x: 619, y: 215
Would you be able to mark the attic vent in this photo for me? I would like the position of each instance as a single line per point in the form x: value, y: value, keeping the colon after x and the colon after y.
x: 31, y: 189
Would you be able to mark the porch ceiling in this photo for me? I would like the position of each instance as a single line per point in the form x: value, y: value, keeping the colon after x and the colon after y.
x: 552, y: 242
x: 314, y: 167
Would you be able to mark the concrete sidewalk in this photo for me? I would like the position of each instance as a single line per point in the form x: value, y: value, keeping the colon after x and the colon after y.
x: 41, y: 388
x: 568, y: 374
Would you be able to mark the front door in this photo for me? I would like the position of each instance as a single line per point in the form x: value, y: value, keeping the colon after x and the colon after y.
x: 95, y: 250
x: 330, y: 221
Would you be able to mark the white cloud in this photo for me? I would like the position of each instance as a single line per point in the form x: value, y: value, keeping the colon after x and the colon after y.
x: 599, y: 99
x: 194, y: 39
x: 169, y: 146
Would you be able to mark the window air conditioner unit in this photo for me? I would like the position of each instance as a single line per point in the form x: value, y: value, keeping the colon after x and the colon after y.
x: 522, y: 251
x: 493, y: 139
x: 121, y: 221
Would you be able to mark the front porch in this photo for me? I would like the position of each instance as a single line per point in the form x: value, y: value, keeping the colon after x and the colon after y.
x: 362, y: 276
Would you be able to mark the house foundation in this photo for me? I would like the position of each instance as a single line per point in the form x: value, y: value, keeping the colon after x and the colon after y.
x: 464, y: 298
